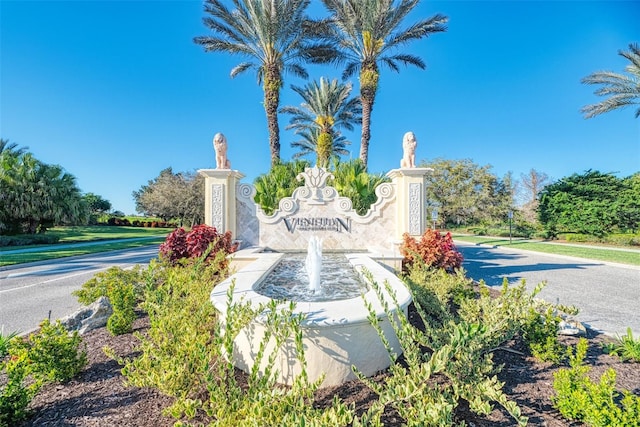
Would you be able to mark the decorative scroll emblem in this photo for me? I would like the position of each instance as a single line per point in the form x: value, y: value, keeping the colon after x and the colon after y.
x: 414, y: 208
x: 315, y: 188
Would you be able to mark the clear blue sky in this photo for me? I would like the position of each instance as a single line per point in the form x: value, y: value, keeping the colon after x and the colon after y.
x: 116, y: 91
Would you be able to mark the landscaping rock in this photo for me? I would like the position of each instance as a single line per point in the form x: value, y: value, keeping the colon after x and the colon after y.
x: 90, y: 317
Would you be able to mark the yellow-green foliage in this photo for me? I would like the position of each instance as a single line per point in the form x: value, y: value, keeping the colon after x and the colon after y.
x: 596, y: 404
x: 438, y: 292
x: 51, y: 354
x: 103, y: 283
x: 458, y: 352
x: 185, y: 355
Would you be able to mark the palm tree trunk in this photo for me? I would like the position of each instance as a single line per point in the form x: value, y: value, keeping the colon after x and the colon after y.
x: 367, y: 106
x: 368, y: 87
x: 272, y: 84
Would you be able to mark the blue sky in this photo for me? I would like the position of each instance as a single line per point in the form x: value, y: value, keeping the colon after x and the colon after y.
x: 116, y: 91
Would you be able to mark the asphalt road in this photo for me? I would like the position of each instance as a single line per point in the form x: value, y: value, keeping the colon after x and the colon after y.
x: 607, y: 295
x: 30, y: 293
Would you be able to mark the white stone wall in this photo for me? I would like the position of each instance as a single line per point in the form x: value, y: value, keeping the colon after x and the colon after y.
x: 316, y: 209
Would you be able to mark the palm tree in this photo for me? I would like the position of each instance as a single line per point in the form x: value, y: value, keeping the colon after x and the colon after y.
x: 11, y: 148
x: 367, y: 34
x: 312, y: 143
x: 271, y: 34
x: 325, y: 111
x: 623, y: 90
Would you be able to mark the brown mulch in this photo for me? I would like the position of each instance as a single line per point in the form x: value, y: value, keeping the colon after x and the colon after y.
x: 98, y: 397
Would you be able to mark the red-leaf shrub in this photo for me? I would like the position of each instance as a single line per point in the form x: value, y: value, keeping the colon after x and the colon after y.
x: 193, y: 244
x: 434, y: 248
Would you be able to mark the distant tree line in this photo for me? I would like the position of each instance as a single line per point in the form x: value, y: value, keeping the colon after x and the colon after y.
x: 35, y: 196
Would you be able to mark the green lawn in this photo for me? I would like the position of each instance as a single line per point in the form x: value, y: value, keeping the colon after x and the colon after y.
x: 92, y: 232
x: 91, y: 239
x: 50, y: 252
x: 605, y: 254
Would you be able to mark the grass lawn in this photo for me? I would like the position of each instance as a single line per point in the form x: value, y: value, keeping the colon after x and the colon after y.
x: 93, y: 239
x: 93, y: 232
x: 605, y: 254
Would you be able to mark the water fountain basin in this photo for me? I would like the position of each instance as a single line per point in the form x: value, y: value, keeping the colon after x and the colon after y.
x: 336, y: 334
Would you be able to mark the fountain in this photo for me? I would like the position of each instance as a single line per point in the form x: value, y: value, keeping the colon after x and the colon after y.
x: 337, y: 333
x: 313, y: 263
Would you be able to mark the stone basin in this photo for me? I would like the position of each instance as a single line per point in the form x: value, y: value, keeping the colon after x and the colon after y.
x: 336, y: 334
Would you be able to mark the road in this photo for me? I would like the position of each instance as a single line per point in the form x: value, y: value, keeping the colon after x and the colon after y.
x: 607, y: 295
x: 30, y: 293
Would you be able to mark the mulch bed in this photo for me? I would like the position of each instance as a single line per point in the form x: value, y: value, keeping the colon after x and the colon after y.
x: 98, y: 396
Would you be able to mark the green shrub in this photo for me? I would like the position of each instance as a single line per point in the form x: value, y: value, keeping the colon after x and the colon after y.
x: 18, y: 390
x: 123, y: 301
x: 626, y: 347
x: 540, y: 331
x: 596, y: 404
x: 427, y: 386
x: 103, y: 284
x: 51, y: 354
x: 439, y: 293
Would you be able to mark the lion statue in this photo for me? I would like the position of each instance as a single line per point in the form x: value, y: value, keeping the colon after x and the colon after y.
x: 220, y: 146
x: 409, y: 144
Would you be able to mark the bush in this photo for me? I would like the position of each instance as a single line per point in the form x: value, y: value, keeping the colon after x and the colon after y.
x: 434, y: 250
x: 28, y: 239
x: 106, y: 283
x: 195, y: 243
x: 123, y: 301
x: 596, y: 404
x: 51, y: 354
x: 52, y: 351
x: 541, y: 334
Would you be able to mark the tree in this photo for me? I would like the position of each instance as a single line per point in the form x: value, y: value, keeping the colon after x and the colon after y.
x: 272, y: 36
x: 11, y: 148
x: 466, y: 193
x: 173, y: 196
x: 622, y: 90
x: 96, y: 204
x: 325, y: 111
x: 532, y: 183
x: 309, y: 145
x: 628, y: 204
x: 36, y: 196
x: 367, y: 34
x: 583, y: 203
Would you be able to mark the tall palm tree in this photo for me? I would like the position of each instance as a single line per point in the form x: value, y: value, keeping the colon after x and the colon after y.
x: 272, y: 36
x: 11, y: 148
x: 623, y: 90
x: 312, y: 143
x: 326, y: 110
x: 368, y: 34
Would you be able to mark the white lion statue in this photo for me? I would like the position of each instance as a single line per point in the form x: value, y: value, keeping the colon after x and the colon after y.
x: 409, y: 144
x: 220, y: 146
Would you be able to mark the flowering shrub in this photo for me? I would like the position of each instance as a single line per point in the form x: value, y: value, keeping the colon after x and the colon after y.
x: 193, y: 244
x: 434, y: 249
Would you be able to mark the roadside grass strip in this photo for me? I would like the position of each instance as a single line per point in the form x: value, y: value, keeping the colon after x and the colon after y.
x: 53, y: 253
x: 608, y: 254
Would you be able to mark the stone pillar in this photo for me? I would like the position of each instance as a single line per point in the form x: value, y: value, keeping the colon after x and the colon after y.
x: 409, y: 184
x: 220, y: 198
